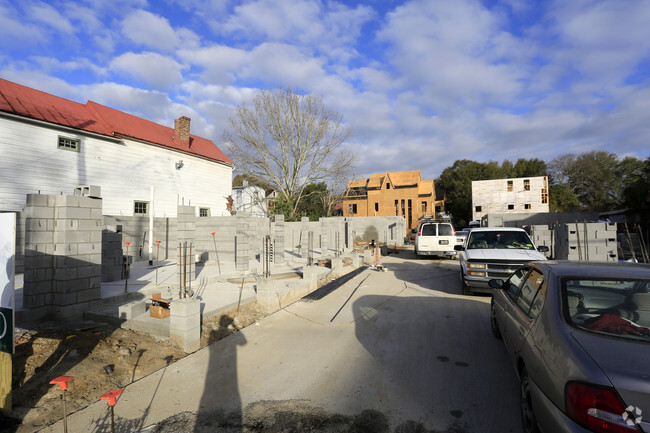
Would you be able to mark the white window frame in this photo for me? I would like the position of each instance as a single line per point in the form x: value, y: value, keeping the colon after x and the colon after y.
x: 207, y: 212
x: 67, y: 143
x: 135, y: 208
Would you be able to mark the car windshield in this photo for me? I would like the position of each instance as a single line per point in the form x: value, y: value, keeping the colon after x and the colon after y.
x: 499, y: 240
x: 616, y: 307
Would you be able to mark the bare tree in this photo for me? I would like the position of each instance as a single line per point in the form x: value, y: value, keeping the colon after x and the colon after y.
x: 290, y: 140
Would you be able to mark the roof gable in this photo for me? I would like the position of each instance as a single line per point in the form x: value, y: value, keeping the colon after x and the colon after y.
x: 405, y: 178
x: 96, y: 118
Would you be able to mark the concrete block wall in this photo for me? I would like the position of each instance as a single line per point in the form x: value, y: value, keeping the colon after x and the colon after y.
x: 112, y: 254
x: 225, y: 231
x: 135, y: 230
x: 597, y: 242
x: 63, y: 253
x: 391, y: 230
x: 543, y: 235
x: 278, y: 238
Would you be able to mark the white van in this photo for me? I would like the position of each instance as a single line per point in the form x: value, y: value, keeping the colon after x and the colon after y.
x: 435, y: 238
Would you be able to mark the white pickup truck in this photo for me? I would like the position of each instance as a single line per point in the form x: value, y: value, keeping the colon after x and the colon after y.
x: 494, y: 252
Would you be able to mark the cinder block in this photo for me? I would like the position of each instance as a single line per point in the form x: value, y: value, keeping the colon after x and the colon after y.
x: 337, y: 266
x: 185, y: 307
x: 73, y: 212
x: 63, y: 201
x: 89, y: 295
x: 90, y: 202
x: 66, y: 224
x: 37, y: 287
x: 39, y: 237
x: 36, y: 200
x: 34, y: 301
x: 89, y: 248
x: 131, y: 310
x: 70, y: 286
x: 88, y: 191
x: 64, y: 298
x: 37, y: 224
x: 65, y: 274
x: 180, y: 324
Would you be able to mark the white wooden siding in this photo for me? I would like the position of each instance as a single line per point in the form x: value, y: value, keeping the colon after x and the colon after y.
x: 30, y: 162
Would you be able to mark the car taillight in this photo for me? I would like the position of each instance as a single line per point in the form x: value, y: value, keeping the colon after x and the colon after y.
x: 454, y: 230
x: 596, y: 408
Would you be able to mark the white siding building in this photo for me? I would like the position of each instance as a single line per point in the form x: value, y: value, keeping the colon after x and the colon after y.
x: 250, y: 200
x: 500, y: 196
x: 52, y: 145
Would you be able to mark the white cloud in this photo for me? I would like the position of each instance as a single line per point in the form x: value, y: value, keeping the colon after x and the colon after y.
x: 155, y: 32
x: 139, y: 102
x: 14, y: 28
x: 284, y: 66
x: 454, y: 53
x: 219, y: 63
x: 330, y: 27
x: 154, y: 69
x: 46, y: 14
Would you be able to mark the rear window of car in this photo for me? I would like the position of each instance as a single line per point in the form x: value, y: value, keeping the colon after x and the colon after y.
x: 445, y: 230
x: 615, y: 307
x: 499, y: 240
x: 428, y: 230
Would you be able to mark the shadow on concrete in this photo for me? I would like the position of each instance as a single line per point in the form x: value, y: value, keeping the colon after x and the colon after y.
x: 448, y: 337
x: 221, y: 402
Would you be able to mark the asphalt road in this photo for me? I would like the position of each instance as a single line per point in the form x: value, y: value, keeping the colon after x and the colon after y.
x: 398, y: 351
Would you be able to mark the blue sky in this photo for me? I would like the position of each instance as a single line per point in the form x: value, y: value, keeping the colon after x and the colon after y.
x: 421, y: 83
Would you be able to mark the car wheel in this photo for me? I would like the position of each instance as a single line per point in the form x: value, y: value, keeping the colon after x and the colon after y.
x: 528, y: 419
x: 493, y: 322
x: 463, y: 284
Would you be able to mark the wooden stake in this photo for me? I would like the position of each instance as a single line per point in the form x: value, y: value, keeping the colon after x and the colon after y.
x: 5, y: 383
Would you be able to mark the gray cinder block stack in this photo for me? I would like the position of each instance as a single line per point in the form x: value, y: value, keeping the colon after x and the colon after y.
x: 543, y: 235
x: 278, y: 239
x: 594, y: 242
x: 63, y: 252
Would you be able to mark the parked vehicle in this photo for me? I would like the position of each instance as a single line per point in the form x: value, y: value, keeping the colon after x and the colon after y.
x: 578, y: 335
x: 494, y: 252
x: 435, y: 238
x: 461, y: 236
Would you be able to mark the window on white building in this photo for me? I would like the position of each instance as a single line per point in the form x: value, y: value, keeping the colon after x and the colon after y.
x: 66, y: 143
x: 511, y: 207
x: 527, y: 206
x: 204, y: 212
x: 140, y: 208
x: 526, y: 184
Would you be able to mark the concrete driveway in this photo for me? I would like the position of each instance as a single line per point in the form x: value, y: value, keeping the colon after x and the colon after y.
x: 401, y: 348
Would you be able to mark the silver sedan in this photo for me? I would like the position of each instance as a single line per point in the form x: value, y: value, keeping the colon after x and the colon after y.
x: 578, y: 335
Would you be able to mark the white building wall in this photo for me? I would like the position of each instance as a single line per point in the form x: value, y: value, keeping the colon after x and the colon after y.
x: 30, y: 162
x: 250, y: 200
x: 493, y: 196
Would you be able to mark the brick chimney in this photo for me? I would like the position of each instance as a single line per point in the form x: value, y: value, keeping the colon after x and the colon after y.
x: 182, y: 129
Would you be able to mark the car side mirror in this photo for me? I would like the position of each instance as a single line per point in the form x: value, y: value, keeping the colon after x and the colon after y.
x: 458, y: 247
x: 496, y: 283
x: 543, y: 249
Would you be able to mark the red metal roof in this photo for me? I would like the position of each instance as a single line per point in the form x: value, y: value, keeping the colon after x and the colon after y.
x: 93, y: 117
